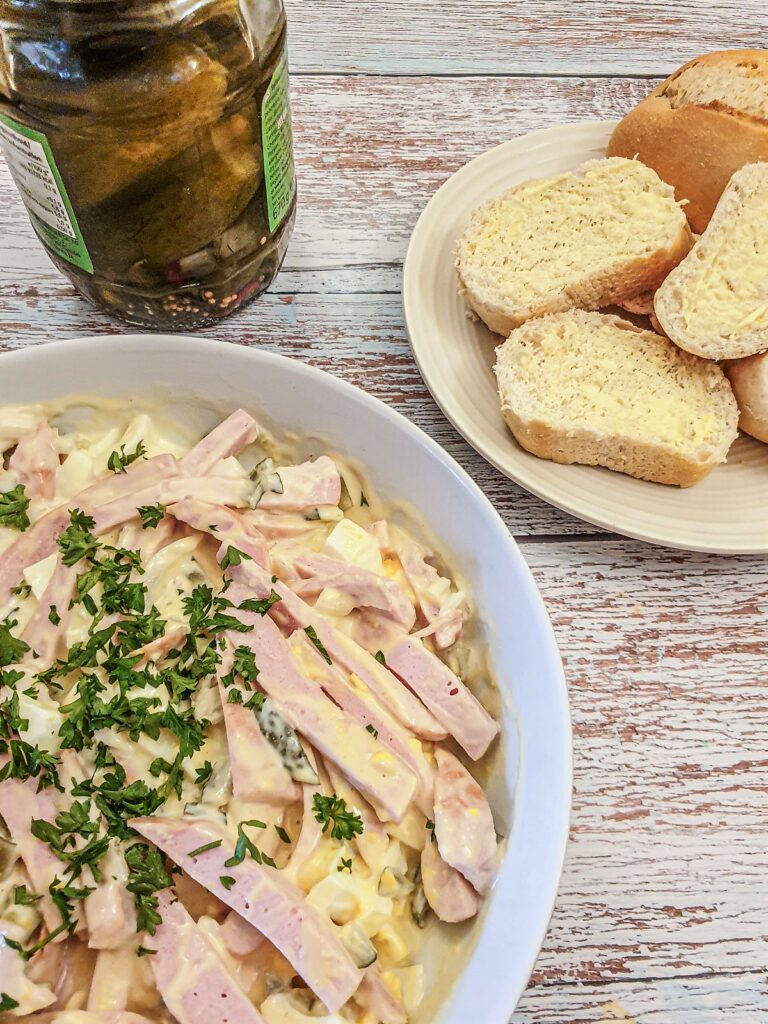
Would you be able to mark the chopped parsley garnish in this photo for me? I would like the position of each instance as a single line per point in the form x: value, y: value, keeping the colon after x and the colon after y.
x: 203, y: 849
x: 283, y: 834
x: 118, y: 462
x: 374, y: 732
x: 22, y: 897
x: 310, y: 631
x: 13, y: 509
x: 260, y: 607
x: 331, y: 812
x: 53, y: 615
x: 143, y: 951
x: 245, y: 845
x: 380, y: 658
x: 7, y: 1002
x: 227, y: 881
x: 12, y: 650
x: 346, y: 865
x: 151, y: 516
x: 202, y: 775
x: 146, y: 877
x: 77, y: 541
x: 30, y: 762
x: 233, y: 556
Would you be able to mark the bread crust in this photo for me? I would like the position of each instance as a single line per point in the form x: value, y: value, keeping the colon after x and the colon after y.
x: 749, y: 380
x: 695, y: 148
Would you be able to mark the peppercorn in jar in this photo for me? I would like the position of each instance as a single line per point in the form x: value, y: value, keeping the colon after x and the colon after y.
x: 151, y: 143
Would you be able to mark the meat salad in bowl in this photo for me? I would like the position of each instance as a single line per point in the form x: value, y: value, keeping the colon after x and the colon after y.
x: 241, y: 722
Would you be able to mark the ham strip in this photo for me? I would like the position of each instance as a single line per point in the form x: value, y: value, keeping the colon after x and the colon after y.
x: 36, y: 461
x: 374, y: 996
x: 433, y: 592
x: 464, y: 824
x: 294, y: 612
x: 42, y: 635
x: 358, y: 703
x: 385, y: 780
x: 307, y: 486
x: 190, y: 974
x: 448, y: 893
x: 446, y: 696
x: 229, y: 438
x: 269, y: 902
x: 258, y: 773
x: 225, y: 525
x: 365, y: 589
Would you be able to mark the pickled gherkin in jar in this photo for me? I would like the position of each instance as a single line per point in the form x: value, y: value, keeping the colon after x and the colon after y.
x: 151, y: 143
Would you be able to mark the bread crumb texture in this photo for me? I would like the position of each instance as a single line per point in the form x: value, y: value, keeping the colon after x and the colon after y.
x: 715, y: 303
x: 592, y: 388
x: 738, y: 83
x: 585, y: 239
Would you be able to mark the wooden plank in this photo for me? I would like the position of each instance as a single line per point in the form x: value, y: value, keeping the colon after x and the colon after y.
x: 666, y: 871
x: 470, y: 37
x: 714, y: 999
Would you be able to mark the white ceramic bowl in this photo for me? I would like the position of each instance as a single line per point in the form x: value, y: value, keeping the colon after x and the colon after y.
x: 530, y: 787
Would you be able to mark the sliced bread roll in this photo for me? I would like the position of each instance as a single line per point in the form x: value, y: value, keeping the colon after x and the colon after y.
x: 587, y: 239
x: 703, y: 123
x: 749, y: 380
x: 715, y: 304
x: 594, y: 389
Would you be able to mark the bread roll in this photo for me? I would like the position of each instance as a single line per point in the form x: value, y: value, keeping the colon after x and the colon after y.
x: 715, y: 303
x: 705, y: 122
x: 585, y: 239
x: 594, y: 389
x: 749, y: 380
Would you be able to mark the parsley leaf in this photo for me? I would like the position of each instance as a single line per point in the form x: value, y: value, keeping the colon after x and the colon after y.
x: 11, y: 648
x: 380, y: 658
x: 332, y: 813
x: 310, y: 631
x: 118, y: 462
x: 13, y: 509
x: 233, y: 556
x: 7, y: 1003
x: 346, y: 865
x: 146, y: 876
x: 151, y: 516
x: 260, y: 607
x: 374, y: 732
x: 77, y: 541
x: 22, y: 897
x: 53, y: 615
x: 227, y: 881
x: 202, y: 775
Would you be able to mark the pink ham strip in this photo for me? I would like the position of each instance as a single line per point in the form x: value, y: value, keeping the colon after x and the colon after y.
x: 41, y: 539
x: 374, y: 840
x: 19, y: 804
x: 240, y: 938
x: 36, y: 461
x: 40, y: 633
x: 157, y: 649
x: 368, y: 712
x: 148, y: 542
x: 422, y: 576
x: 278, y: 527
x: 223, y: 491
x: 225, y: 525
x: 448, y: 893
x: 294, y: 612
x: 87, y: 1017
x: 258, y: 773
x: 446, y: 696
x: 261, y: 895
x: 228, y: 438
x: 306, y: 486
x: 382, y: 778
x: 464, y: 828
x: 366, y: 589
x: 374, y: 996
x: 184, y: 951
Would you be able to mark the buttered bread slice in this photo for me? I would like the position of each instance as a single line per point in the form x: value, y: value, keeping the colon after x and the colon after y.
x: 587, y: 239
x: 715, y: 303
x: 594, y: 389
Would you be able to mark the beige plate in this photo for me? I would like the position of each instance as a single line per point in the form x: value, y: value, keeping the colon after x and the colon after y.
x: 725, y: 513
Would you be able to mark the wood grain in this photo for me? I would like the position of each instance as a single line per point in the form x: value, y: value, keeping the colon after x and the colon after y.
x: 471, y: 37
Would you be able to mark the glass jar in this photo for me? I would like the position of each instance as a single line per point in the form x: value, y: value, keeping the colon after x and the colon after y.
x: 151, y: 143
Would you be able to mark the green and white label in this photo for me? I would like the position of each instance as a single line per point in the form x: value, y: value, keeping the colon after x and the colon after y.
x: 42, y: 191
x: 277, y: 141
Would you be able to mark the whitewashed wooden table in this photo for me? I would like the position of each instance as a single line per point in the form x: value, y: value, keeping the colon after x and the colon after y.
x: 663, y: 911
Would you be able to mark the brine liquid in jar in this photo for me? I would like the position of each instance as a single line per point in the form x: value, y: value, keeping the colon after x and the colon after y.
x: 151, y: 143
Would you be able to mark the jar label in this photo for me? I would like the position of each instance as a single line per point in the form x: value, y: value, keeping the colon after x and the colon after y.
x: 42, y: 191
x: 277, y: 141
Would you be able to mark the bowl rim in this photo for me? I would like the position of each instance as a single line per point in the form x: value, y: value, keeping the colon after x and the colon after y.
x: 509, y: 987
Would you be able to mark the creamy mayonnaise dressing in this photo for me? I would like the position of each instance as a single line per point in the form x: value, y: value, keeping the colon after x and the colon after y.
x: 280, y: 763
